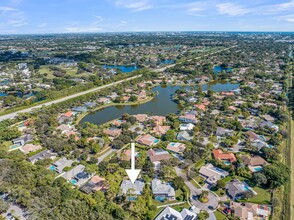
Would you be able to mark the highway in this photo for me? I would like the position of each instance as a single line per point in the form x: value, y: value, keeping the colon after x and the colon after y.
x: 14, y: 114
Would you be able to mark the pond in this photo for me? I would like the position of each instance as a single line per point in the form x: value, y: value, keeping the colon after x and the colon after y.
x: 218, y: 69
x: 124, y: 69
x: 162, y: 104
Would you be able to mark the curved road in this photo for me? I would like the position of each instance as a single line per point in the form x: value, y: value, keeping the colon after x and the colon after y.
x: 14, y: 114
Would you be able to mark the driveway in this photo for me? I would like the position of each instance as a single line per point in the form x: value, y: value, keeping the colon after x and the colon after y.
x: 210, y: 206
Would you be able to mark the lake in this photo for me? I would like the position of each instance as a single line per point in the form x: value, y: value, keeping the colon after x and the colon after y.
x: 124, y: 69
x: 218, y: 69
x: 162, y: 104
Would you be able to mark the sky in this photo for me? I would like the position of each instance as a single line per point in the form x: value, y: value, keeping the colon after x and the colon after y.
x: 87, y: 16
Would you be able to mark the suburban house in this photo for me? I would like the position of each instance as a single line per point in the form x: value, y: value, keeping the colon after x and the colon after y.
x: 223, y: 132
x: 268, y: 118
x: 268, y: 124
x: 141, y: 117
x: 157, y: 155
x: 76, y: 175
x: 158, y: 120
x: 113, y: 132
x: 176, y: 147
x: 162, y: 191
x: 45, y: 154
x: 63, y: 128
x: 95, y: 184
x: 22, y: 140
x: 30, y: 148
x: 169, y: 213
x: 212, y: 174
x: 147, y: 140
x: 104, y: 100
x: 126, y: 155
x: 90, y: 104
x: 79, y: 109
x: 60, y: 164
x: 160, y: 130
x: 188, y: 118
x: 184, y: 136
x: 237, y: 189
x: 246, y: 211
x: 134, y: 189
x: 226, y: 157
x: 186, y: 127
x: 252, y: 136
x: 254, y: 163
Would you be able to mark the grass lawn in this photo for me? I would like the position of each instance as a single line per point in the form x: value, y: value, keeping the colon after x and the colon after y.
x: 200, y: 180
x: 220, y: 192
x: 263, y: 196
x: 219, y: 215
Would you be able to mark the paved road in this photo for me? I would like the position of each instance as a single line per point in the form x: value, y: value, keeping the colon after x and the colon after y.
x: 12, y: 115
x: 16, y: 211
x: 212, y: 199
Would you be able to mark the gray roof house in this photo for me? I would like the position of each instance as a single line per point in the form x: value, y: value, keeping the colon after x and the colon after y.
x: 133, y: 188
x: 184, y: 136
x: 212, y: 173
x: 73, y: 172
x: 90, y: 104
x: 162, y: 190
x: 22, y: 140
x: 45, y: 154
x: 223, y: 132
x: 171, y: 214
x: 80, y: 109
x: 236, y: 189
x: 60, y: 164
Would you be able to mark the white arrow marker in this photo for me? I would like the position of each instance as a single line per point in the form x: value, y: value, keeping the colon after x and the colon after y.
x: 133, y: 173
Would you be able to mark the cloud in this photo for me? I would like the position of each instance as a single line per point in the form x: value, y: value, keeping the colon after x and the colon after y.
x: 5, y: 9
x: 289, y: 18
x: 43, y: 25
x: 123, y: 22
x: 231, y: 9
x: 134, y: 5
x: 283, y: 7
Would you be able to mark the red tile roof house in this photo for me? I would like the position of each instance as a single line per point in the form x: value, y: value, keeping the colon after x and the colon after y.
x: 147, y: 140
x: 159, y: 120
x: 113, y: 132
x: 141, y: 117
x: 142, y: 94
x: 126, y: 155
x: 158, y: 155
x: 176, y: 147
x: 201, y: 107
x: 252, y: 136
x: 228, y: 93
x: 219, y: 155
x: 68, y: 114
x: 160, y: 130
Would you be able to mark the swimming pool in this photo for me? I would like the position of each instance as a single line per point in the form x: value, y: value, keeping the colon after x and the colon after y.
x: 52, y: 168
x: 226, y: 162
x: 74, y: 182
x: 262, y: 137
x: 258, y: 169
x: 132, y: 198
x: 160, y: 198
x: 156, y: 141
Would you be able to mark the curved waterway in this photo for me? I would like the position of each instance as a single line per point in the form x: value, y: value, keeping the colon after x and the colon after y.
x: 162, y: 104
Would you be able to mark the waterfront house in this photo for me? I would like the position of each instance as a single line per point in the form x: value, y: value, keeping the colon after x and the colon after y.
x: 158, y: 120
x: 141, y: 117
x: 162, y: 191
x: 90, y: 104
x: 104, y: 100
